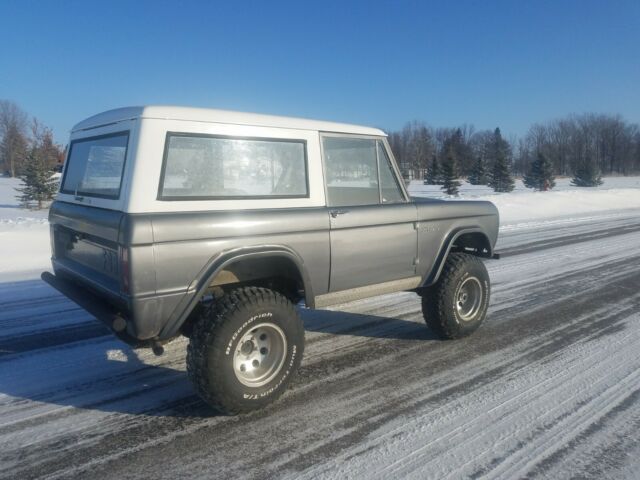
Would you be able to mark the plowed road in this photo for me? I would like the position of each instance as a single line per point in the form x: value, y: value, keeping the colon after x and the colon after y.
x: 549, y: 387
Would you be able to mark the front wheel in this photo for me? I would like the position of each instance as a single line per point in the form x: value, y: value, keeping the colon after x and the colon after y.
x: 457, y: 304
x: 244, y: 351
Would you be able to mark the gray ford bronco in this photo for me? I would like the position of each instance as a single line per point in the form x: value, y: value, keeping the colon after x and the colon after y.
x: 215, y: 225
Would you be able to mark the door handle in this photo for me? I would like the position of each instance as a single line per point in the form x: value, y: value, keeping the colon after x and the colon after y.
x: 335, y: 213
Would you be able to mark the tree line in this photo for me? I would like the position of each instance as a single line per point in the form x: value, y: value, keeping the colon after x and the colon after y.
x: 587, y: 145
x: 29, y: 152
x: 583, y: 146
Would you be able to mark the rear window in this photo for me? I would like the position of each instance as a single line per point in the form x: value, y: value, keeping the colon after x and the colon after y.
x: 199, y: 167
x: 95, y: 165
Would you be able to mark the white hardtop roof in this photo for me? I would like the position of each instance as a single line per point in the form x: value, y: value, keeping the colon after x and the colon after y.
x: 219, y: 116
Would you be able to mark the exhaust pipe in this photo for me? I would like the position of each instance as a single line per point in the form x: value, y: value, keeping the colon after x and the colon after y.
x: 157, y: 348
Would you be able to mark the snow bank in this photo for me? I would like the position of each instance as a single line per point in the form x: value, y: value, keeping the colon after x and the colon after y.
x: 26, y: 252
x: 525, y: 205
x: 24, y: 236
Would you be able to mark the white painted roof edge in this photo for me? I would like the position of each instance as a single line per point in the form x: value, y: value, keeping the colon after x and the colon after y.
x: 219, y: 116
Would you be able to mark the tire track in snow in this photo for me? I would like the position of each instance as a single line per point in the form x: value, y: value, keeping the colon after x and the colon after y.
x: 508, y: 415
x: 352, y: 382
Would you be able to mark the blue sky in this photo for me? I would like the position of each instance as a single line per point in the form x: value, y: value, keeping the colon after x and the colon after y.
x: 487, y: 63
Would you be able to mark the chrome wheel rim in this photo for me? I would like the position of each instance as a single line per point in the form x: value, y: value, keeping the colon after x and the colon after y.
x: 260, y: 355
x: 468, y: 298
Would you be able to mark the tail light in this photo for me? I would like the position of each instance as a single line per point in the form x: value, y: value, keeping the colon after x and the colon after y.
x: 123, y: 253
x: 52, y: 239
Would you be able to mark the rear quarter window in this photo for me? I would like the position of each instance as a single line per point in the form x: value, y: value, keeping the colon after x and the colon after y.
x: 202, y: 167
x: 95, y: 166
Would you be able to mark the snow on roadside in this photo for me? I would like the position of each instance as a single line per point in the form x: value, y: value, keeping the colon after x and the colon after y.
x: 27, y: 252
x: 24, y: 236
x: 523, y: 205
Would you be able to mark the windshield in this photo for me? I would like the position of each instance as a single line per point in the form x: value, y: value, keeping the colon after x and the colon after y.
x: 95, y: 165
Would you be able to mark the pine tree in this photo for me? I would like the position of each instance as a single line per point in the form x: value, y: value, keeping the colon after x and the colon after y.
x: 450, y: 181
x: 540, y: 174
x: 501, y: 179
x: 39, y: 185
x: 434, y: 174
x: 587, y: 175
x: 478, y: 175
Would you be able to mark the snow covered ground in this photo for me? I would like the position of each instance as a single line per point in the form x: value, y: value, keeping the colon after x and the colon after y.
x: 549, y: 387
x: 564, y: 200
x: 23, y: 236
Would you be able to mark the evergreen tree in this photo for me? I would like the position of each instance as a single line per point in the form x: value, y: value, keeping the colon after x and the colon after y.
x: 434, y: 174
x: 450, y: 181
x: 587, y: 175
x: 38, y: 183
x: 540, y: 174
x: 478, y: 175
x: 501, y: 179
x: 462, y: 151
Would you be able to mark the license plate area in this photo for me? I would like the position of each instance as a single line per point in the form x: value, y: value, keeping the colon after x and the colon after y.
x: 93, y: 253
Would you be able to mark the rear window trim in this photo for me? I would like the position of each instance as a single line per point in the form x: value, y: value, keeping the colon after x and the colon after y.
x: 183, y: 198
x: 88, y: 139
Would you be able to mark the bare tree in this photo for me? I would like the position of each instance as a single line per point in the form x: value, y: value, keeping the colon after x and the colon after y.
x: 413, y: 148
x: 13, y: 141
x: 608, y: 141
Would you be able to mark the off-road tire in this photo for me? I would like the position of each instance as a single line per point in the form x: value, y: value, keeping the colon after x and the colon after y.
x: 441, y: 302
x: 215, y: 340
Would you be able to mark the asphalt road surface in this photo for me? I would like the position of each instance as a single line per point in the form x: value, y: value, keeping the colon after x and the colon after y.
x: 549, y: 387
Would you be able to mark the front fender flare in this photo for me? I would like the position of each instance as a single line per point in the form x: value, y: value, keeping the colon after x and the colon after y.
x: 433, y: 276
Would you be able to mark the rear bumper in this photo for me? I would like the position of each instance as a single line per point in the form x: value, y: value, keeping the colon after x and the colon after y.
x: 95, y: 305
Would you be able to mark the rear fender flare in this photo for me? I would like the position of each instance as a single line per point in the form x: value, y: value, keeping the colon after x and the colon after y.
x: 217, y: 263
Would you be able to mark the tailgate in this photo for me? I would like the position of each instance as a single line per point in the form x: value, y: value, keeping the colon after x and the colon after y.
x: 85, y: 243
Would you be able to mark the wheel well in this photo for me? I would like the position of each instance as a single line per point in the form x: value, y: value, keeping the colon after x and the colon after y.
x: 474, y: 243
x: 277, y: 273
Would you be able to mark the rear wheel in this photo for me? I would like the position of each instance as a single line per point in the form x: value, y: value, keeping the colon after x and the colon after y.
x: 244, y: 350
x: 457, y: 304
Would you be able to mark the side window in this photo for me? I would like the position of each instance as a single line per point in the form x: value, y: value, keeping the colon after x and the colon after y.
x: 208, y: 167
x: 359, y: 172
x: 351, y: 171
x: 391, y: 191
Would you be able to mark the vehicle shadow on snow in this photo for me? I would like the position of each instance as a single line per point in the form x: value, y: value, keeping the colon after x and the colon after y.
x: 81, y: 364
x: 86, y: 367
x: 371, y: 326
x: 101, y: 374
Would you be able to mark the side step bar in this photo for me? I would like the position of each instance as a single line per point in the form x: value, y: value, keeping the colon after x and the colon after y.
x: 344, y: 296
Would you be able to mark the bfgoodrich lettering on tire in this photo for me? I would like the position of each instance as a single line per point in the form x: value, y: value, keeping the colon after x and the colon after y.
x: 457, y: 304
x: 244, y: 351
